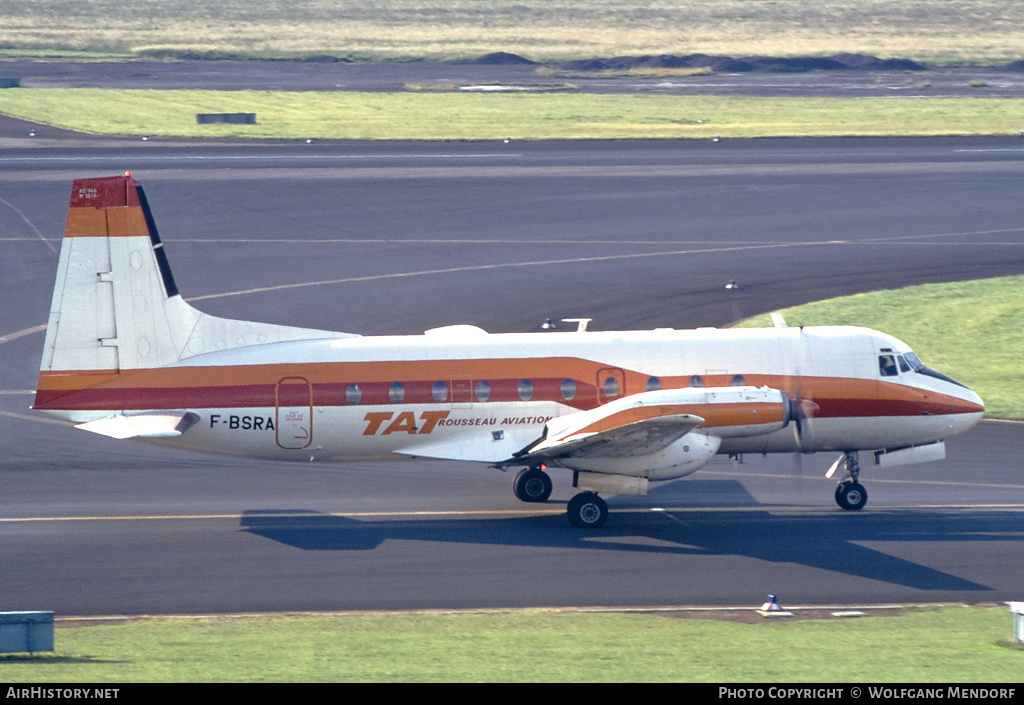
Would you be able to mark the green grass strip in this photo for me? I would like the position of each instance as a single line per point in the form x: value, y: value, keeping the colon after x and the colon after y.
x: 973, y: 331
x: 471, y: 116
x: 955, y: 645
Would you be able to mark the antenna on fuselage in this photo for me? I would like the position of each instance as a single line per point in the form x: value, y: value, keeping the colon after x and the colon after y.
x: 581, y: 323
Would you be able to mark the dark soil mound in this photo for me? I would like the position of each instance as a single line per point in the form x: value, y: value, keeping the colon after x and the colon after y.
x: 660, y: 61
x: 728, y: 64
x: 864, y: 62
x: 800, y: 64
x: 326, y: 59
x: 502, y: 58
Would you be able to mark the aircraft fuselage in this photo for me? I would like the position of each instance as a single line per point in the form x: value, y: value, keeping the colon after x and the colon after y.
x: 486, y: 396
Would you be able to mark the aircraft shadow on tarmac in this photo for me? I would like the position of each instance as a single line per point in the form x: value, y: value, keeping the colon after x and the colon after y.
x: 826, y: 541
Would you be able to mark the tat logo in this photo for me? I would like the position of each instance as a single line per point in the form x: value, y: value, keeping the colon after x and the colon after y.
x: 404, y: 422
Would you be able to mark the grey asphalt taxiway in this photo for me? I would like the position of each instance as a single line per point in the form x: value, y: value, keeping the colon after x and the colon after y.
x: 975, y: 82
x: 398, y: 238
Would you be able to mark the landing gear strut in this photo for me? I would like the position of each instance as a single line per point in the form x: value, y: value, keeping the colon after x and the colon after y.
x: 532, y: 485
x: 850, y: 494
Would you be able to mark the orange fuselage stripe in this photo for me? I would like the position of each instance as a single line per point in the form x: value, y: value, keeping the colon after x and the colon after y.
x: 728, y: 414
x: 256, y: 386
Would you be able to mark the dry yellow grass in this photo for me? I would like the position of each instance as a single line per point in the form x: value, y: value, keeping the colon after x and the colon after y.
x: 539, y: 29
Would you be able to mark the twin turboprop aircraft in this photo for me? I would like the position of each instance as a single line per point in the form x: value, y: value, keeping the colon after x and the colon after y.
x: 125, y: 356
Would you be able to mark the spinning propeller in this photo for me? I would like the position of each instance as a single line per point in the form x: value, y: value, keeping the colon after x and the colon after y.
x: 801, y: 408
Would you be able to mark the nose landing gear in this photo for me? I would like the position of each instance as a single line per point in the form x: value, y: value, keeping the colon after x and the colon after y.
x: 850, y: 494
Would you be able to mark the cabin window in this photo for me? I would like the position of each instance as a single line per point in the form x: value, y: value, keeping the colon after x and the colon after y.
x: 611, y: 388
x: 439, y: 392
x: 482, y: 390
x: 696, y: 381
x: 653, y: 384
x: 525, y: 389
x: 396, y: 393
x: 353, y: 394
x: 738, y: 381
x: 887, y: 366
x: 568, y: 389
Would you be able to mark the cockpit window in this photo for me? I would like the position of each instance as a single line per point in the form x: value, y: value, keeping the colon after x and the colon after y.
x: 904, y: 365
x: 914, y: 360
x: 887, y: 366
x: 919, y: 367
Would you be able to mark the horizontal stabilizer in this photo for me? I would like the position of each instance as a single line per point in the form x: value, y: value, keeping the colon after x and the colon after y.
x: 164, y: 425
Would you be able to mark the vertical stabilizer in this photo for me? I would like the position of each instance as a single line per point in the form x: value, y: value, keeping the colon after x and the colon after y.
x: 109, y: 307
x: 115, y: 305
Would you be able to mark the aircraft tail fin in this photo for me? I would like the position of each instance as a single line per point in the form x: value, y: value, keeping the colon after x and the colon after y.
x: 111, y: 307
x: 116, y: 306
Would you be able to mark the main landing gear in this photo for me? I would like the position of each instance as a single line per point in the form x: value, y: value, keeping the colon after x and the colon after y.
x: 586, y: 510
x: 532, y: 485
x: 850, y: 494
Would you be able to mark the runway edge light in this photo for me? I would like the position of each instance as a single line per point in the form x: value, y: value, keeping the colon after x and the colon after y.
x: 771, y: 608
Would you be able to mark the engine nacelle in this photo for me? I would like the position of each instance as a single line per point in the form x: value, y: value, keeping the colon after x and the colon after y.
x: 683, y: 456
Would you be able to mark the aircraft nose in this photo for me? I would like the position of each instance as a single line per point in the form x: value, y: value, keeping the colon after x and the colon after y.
x: 970, y: 411
x: 972, y: 398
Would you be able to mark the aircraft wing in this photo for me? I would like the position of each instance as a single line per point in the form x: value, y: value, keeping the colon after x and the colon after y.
x: 637, y: 425
x: 644, y: 424
x: 162, y: 425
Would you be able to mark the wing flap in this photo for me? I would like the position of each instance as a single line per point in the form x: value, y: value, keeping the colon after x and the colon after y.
x: 637, y: 438
x: 477, y: 446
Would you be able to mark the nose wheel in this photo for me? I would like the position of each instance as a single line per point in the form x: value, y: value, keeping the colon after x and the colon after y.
x: 850, y: 494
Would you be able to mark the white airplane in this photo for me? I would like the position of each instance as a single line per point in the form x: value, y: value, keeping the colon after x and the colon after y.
x: 125, y: 356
